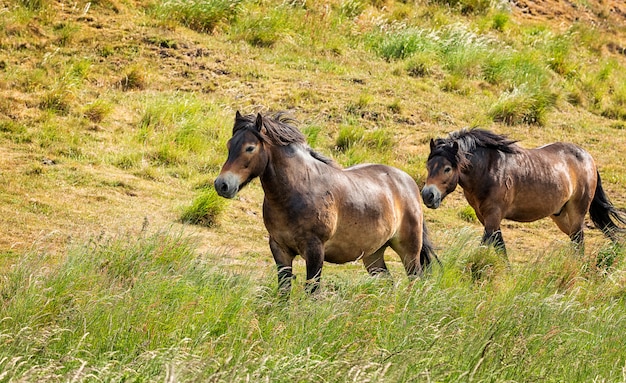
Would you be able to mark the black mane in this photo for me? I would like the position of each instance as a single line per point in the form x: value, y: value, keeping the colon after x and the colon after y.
x: 471, y: 139
x: 468, y: 141
x: 280, y: 130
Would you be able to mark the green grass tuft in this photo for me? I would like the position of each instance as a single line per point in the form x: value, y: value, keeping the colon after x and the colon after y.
x: 351, y: 8
x: 421, y: 65
x: 263, y: 30
x: 467, y: 214
x: 202, y: 16
x: 34, y: 5
x: 466, y: 6
x: 98, y: 110
x: 500, y: 20
x: 205, y: 210
x: 523, y: 105
x: 348, y: 136
x: 401, y: 44
x: 58, y: 100
x: 133, y: 79
x: 483, y: 264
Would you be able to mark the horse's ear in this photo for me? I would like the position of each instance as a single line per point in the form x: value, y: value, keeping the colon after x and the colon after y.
x: 259, y: 122
x: 432, y: 144
x: 238, y: 116
x: 455, y: 147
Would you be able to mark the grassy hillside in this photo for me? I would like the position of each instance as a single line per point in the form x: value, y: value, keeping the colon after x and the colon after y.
x: 116, y: 113
x: 118, y: 262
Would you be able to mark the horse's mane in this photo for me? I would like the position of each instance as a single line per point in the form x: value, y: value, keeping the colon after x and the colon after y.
x: 469, y: 140
x: 280, y: 130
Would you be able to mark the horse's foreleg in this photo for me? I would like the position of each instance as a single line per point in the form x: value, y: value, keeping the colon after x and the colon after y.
x: 493, y: 234
x: 314, y: 257
x: 284, y: 262
x: 494, y: 237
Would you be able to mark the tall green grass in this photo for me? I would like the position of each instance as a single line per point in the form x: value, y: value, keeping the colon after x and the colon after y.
x: 529, y: 78
x: 466, y: 6
x: 354, y: 145
x: 33, y: 5
x: 202, y: 16
x: 150, y: 309
x: 523, y: 104
x: 263, y: 28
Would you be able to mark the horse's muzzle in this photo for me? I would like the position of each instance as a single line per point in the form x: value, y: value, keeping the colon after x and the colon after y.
x: 227, y: 185
x: 431, y: 196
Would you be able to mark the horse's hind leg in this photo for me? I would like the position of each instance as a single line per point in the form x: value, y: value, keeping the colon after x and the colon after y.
x: 375, y: 263
x: 408, y: 247
x: 571, y: 222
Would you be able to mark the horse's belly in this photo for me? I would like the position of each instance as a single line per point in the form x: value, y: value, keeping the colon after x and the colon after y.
x: 533, y: 212
x: 526, y: 216
x: 342, y: 250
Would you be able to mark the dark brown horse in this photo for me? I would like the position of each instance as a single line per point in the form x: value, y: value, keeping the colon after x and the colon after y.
x: 316, y: 209
x: 503, y: 180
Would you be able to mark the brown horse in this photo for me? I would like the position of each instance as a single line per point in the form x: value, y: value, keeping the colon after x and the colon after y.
x: 503, y: 180
x: 314, y: 208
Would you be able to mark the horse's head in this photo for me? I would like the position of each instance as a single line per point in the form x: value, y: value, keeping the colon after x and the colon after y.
x: 443, y: 171
x: 247, y: 156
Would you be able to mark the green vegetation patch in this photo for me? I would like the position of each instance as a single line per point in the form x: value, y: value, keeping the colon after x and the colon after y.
x: 199, y: 15
x: 149, y: 308
x: 205, y: 209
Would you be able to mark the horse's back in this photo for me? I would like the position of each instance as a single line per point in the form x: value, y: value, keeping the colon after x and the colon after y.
x: 385, y: 181
x: 565, y: 150
x: 384, y: 176
x: 569, y: 157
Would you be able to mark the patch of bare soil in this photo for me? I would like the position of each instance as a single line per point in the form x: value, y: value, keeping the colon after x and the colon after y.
x: 594, y: 12
x: 607, y: 15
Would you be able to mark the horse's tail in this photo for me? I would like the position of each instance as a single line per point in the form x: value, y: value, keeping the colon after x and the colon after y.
x: 427, y: 254
x: 603, y: 214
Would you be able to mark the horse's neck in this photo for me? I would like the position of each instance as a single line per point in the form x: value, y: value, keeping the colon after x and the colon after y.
x: 471, y: 175
x: 493, y: 164
x: 289, y: 169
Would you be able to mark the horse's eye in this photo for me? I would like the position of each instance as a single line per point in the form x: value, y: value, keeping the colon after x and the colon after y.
x: 250, y: 149
x: 447, y: 169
